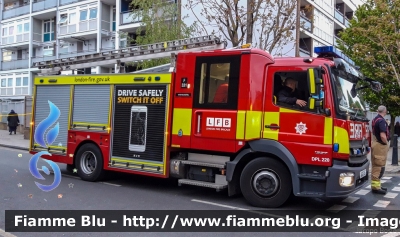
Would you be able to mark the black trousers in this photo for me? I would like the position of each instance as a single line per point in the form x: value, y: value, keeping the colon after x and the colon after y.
x: 12, y: 129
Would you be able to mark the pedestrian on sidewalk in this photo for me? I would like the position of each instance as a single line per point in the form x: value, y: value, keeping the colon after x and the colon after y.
x: 379, y: 150
x: 397, y: 128
x: 13, y: 122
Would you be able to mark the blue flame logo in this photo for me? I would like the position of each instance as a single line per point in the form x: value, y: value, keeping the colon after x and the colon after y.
x: 50, y: 138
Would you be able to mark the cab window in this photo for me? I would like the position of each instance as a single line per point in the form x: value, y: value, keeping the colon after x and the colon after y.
x: 217, y: 82
x: 291, y: 90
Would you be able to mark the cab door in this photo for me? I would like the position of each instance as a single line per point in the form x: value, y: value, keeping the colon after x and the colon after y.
x: 215, y: 101
x: 306, y: 133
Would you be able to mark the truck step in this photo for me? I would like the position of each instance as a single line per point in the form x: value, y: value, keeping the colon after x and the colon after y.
x: 311, y: 194
x: 189, y: 162
x: 218, y: 187
x: 311, y: 176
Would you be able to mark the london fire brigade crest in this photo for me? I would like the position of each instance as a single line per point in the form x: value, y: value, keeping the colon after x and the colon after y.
x: 300, y: 128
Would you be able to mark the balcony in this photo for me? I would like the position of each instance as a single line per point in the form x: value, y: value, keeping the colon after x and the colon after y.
x: 346, y: 22
x: 339, y: 16
x: 306, y: 23
x: 16, y: 11
x: 14, y: 64
x: 15, y: 39
x: 65, y: 2
x: 43, y: 58
x: 82, y: 26
x: 41, y: 5
x: 76, y: 53
x: 129, y: 17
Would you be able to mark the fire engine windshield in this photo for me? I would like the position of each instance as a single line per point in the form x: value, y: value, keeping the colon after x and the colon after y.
x: 345, y: 79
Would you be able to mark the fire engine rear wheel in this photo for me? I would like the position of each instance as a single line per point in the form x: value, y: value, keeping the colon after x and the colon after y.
x: 89, y: 162
x: 266, y: 182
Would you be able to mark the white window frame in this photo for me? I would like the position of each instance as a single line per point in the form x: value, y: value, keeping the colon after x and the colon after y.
x: 6, y: 55
x: 22, y: 86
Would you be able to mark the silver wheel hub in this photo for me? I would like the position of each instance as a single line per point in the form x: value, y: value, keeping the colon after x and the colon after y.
x: 265, y: 183
x: 88, y: 162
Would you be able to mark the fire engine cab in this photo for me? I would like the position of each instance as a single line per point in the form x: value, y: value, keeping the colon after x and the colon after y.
x: 222, y: 119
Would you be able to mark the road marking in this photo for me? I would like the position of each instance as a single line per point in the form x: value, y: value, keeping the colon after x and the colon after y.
x: 391, y: 234
x: 396, y: 189
x: 363, y: 192
x: 371, y: 213
x: 381, y: 203
x: 66, y: 175
x: 6, y: 234
x: 386, y: 177
x: 336, y: 208
x: 368, y: 187
x: 391, y: 195
x: 383, y: 181
x: 351, y: 199
x: 117, y: 185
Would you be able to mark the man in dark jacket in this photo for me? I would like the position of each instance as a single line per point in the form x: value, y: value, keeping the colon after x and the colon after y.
x: 13, y: 122
x: 289, y: 94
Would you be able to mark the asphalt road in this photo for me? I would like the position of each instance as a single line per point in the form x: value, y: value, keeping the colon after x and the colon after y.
x: 129, y: 192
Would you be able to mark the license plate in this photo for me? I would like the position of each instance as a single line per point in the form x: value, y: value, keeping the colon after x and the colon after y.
x: 363, y: 173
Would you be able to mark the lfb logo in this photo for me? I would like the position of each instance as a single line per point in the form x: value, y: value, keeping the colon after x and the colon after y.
x: 218, y: 122
x: 50, y: 138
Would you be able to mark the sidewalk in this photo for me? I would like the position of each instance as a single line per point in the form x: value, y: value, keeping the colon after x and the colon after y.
x: 13, y: 141
x: 18, y: 142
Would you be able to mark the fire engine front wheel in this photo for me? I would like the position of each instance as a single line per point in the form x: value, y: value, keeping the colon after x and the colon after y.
x: 266, y: 182
x: 89, y: 162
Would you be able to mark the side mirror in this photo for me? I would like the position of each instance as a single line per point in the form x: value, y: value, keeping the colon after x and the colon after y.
x: 376, y: 86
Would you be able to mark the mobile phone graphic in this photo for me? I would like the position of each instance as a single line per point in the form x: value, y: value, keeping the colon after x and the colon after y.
x: 138, y: 129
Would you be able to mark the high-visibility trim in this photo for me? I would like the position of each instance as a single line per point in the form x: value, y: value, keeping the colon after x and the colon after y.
x: 104, y: 79
x: 91, y: 124
x: 271, y: 118
x: 71, y: 105
x: 253, y: 124
x: 45, y: 148
x: 311, y: 73
x: 32, y: 125
x: 110, y: 108
x: 341, y: 137
x: 284, y: 110
x: 328, y: 124
x: 166, y: 130
x: 182, y: 119
x: 240, y: 124
x: 133, y: 161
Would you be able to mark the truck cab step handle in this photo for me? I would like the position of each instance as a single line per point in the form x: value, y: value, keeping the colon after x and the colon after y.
x: 272, y: 126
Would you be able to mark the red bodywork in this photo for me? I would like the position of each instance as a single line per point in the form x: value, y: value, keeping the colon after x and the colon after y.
x: 255, y: 68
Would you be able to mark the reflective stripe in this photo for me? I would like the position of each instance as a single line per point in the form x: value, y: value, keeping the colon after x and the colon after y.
x: 376, y: 184
x: 328, y: 127
x: 341, y: 137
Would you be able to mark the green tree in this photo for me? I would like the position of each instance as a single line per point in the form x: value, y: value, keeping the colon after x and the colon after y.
x: 161, y: 21
x: 373, y: 42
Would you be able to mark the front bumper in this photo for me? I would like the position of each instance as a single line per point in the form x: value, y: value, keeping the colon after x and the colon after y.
x: 333, y: 188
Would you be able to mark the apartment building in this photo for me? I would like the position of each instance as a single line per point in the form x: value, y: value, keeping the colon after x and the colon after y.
x: 38, y: 30
x: 321, y: 22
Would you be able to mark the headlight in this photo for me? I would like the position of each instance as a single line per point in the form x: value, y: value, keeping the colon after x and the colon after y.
x: 346, y: 179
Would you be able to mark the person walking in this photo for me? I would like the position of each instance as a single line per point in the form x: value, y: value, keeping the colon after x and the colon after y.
x: 13, y: 122
x: 379, y: 150
x: 397, y: 129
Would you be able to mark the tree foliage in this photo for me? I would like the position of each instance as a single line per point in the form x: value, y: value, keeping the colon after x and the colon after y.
x: 160, y: 21
x: 373, y: 42
x: 266, y: 24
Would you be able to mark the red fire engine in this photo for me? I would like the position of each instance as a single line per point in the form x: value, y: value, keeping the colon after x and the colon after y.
x: 217, y: 120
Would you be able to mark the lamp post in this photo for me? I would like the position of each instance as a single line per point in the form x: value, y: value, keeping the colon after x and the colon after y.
x: 297, y: 53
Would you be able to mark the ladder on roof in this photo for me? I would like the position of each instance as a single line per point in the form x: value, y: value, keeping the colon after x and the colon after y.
x: 130, y: 54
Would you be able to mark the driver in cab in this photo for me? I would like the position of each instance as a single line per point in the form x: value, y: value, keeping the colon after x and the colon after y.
x: 290, y: 95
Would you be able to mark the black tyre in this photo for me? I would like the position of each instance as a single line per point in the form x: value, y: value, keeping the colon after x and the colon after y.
x: 266, y: 182
x: 89, y: 163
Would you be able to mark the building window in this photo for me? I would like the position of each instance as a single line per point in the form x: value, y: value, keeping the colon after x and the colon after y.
x: 114, y: 24
x: 63, y: 19
x: 93, y: 13
x: 6, y: 86
x: 48, y: 51
x: 7, y: 56
x: 48, y: 31
x: 72, y: 18
x: 83, y: 15
x: 21, y: 85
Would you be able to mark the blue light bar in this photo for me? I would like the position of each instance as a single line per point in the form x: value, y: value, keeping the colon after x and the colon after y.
x: 333, y: 52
